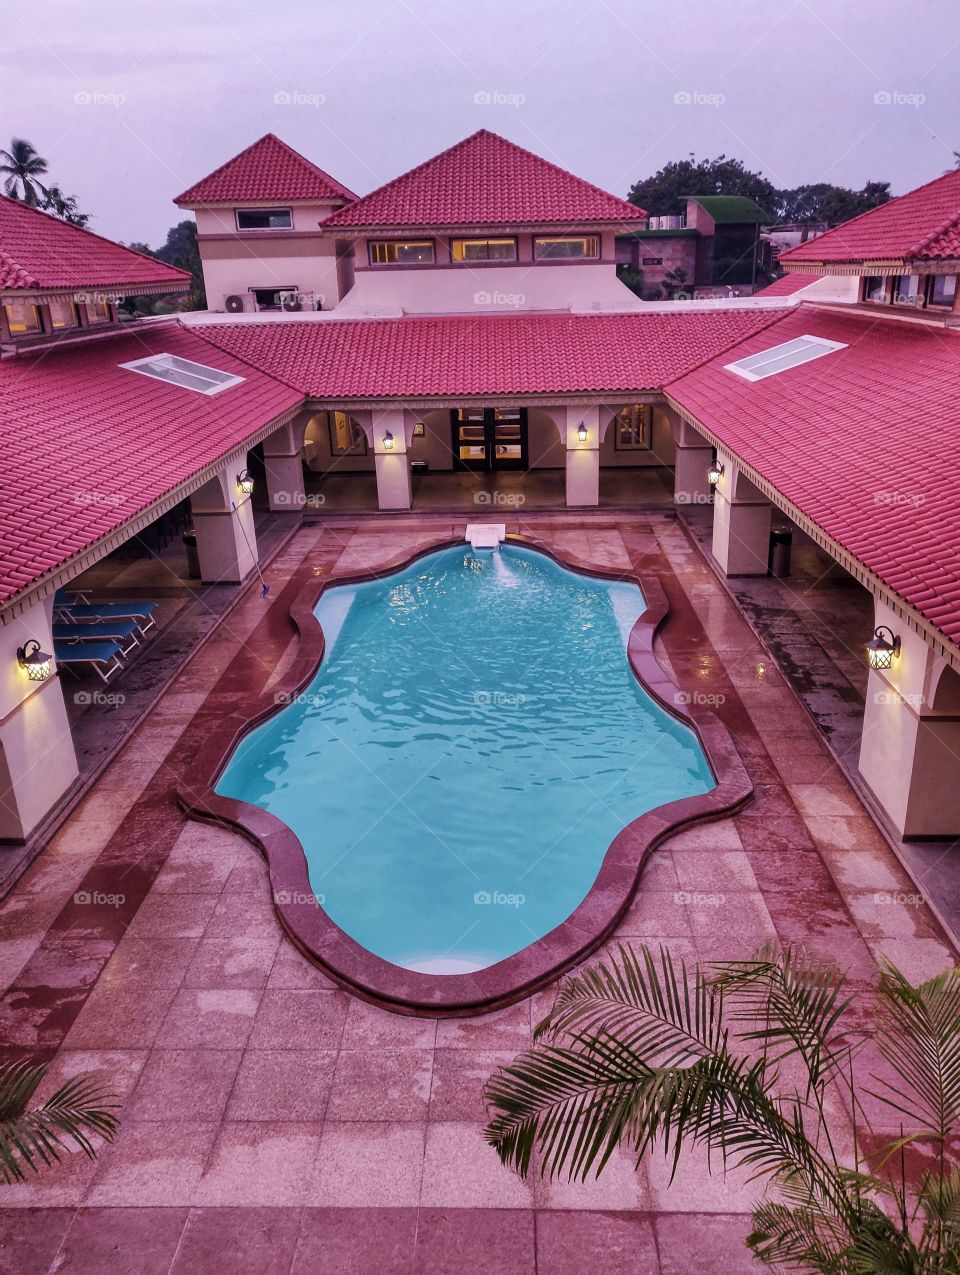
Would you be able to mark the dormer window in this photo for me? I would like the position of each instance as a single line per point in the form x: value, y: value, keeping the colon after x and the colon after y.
x: 402, y: 252
x: 264, y: 219
x: 483, y: 250
x: 875, y: 289
x: 566, y: 247
x: 62, y: 314
x: 23, y: 317
x: 906, y: 289
x: 942, y: 290
x: 98, y: 311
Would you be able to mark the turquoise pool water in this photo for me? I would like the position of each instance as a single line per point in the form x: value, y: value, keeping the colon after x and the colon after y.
x: 471, y: 744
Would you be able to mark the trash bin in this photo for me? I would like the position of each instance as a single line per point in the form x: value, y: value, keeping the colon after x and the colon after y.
x: 419, y: 467
x: 193, y: 556
x: 781, y: 542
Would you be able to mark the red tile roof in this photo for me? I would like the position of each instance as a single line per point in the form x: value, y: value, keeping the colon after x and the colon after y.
x: 485, y: 181
x: 859, y: 440
x: 97, y: 443
x: 38, y: 250
x: 787, y: 285
x: 924, y: 224
x: 492, y: 354
x: 269, y: 170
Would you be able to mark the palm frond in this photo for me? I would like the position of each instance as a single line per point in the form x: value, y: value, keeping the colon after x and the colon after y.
x: 79, y: 1108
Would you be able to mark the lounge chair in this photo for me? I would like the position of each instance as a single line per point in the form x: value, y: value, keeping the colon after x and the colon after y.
x: 103, y: 657
x: 123, y: 632
x: 141, y: 612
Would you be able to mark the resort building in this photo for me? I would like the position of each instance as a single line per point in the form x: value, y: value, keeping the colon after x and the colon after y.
x: 458, y: 339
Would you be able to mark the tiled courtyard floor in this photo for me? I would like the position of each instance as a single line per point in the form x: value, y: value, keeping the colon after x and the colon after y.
x: 273, y: 1123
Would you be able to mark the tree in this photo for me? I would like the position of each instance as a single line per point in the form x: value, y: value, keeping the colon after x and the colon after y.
x: 832, y: 204
x: 64, y: 206
x: 181, y: 249
x: 753, y: 1062
x: 664, y: 194
x: 22, y: 167
x: 31, y: 1137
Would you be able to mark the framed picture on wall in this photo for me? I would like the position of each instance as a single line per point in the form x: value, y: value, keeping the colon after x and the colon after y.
x: 631, y: 428
x: 346, y: 436
x: 419, y: 429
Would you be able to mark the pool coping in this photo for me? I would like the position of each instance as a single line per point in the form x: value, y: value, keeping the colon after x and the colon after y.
x: 374, y: 979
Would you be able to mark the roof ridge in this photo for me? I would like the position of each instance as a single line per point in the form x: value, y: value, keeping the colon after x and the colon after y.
x: 267, y: 137
x: 777, y: 313
x: 948, y: 225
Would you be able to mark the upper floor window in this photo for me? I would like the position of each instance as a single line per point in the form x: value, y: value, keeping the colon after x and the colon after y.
x: 264, y: 219
x: 401, y: 252
x: 942, y: 290
x: 23, y: 317
x: 566, y: 247
x: 98, y: 311
x: 874, y: 288
x: 906, y: 289
x: 62, y: 314
x: 483, y: 249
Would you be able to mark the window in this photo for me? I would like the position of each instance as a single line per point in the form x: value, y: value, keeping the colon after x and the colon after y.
x: 483, y: 249
x: 97, y: 312
x: 264, y: 219
x: 62, y: 315
x: 346, y: 436
x: 906, y: 289
x: 942, y: 290
x: 270, y: 298
x: 566, y: 248
x: 401, y: 252
x: 22, y: 317
x: 632, y: 428
x: 185, y: 373
x: 875, y: 288
x: 779, y: 358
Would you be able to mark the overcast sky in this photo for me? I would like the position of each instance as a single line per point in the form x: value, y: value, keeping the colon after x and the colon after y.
x: 132, y: 102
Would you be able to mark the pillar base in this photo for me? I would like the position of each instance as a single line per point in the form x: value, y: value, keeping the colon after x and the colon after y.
x: 37, y: 760
x: 741, y: 536
x: 583, y: 477
x: 393, y: 480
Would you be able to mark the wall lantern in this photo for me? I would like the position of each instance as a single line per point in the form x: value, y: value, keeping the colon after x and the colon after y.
x: 388, y: 442
x: 714, y: 473
x: 35, y: 661
x: 245, y: 481
x: 881, y: 650
x: 582, y: 432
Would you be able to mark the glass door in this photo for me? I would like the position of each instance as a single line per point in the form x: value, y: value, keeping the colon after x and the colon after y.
x: 491, y: 438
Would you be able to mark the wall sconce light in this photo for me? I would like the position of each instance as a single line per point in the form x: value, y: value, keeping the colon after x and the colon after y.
x: 582, y: 432
x: 388, y: 442
x: 881, y: 650
x: 714, y: 473
x: 35, y: 661
x: 245, y: 481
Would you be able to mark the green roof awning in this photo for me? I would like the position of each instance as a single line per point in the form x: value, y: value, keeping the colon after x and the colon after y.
x: 732, y: 209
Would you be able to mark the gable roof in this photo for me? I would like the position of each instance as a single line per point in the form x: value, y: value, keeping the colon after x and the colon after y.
x: 731, y: 209
x: 829, y: 436
x: 921, y: 225
x: 484, y: 180
x: 38, y: 250
x: 787, y: 285
x: 268, y: 170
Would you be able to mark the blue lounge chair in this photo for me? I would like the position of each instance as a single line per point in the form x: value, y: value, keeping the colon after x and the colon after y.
x: 103, y: 657
x: 121, y: 631
x: 76, y: 612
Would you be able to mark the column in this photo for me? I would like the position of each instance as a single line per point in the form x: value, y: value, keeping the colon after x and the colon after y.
x: 692, y: 460
x: 910, y: 745
x: 38, y: 764
x: 741, y: 523
x: 582, y: 456
x: 391, y: 460
x: 223, y: 521
x: 284, y: 470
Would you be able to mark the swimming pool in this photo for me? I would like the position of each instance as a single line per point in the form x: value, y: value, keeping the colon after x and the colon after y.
x: 471, y: 744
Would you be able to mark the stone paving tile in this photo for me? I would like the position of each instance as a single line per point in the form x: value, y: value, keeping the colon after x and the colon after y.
x: 615, y: 1243
x: 286, y: 1084
x: 399, y: 1077
x: 460, y: 1171
x: 359, y: 1240
x: 364, y: 1163
x: 247, y: 1241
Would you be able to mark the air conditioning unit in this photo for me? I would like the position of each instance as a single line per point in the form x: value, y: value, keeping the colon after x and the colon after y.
x: 233, y: 304
x: 290, y: 301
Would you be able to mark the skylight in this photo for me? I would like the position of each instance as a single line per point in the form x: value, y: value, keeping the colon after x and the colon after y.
x: 781, y: 357
x: 185, y: 373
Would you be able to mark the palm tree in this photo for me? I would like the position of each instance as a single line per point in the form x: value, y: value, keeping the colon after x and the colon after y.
x: 22, y: 166
x: 31, y: 1138
x: 745, y: 1060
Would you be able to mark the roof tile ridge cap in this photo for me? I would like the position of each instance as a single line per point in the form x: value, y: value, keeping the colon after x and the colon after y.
x: 225, y: 349
x: 322, y: 172
x: 950, y: 224
x: 777, y: 314
x: 226, y: 163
